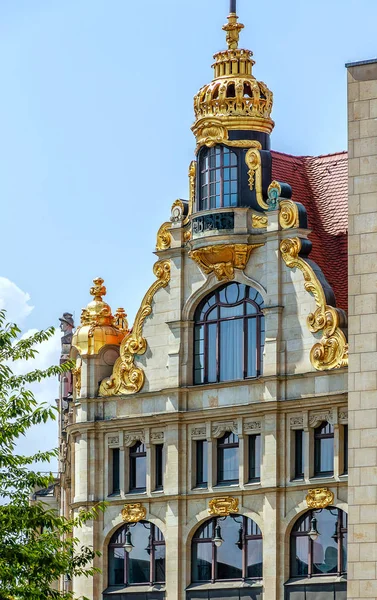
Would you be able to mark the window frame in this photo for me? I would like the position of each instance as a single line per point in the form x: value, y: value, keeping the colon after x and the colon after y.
x: 221, y: 448
x: 299, y: 466
x: 159, y: 467
x: 345, y: 449
x: 201, y: 333
x: 318, y: 438
x: 245, y: 539
x: 205, y: 168
x: 342, y: 526
x: 254, y: 465
x: 115, y: 472
x: 153, y: 542
x: 201, y: 460
x: 134, y: 456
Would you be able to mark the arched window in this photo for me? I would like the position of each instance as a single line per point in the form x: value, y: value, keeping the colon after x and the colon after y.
x: 218, y: 178
x: 229, y: 335
x: 138, y: 467
x: 319, y: 543
x: 227, y: 459
x: 145, y: 563
x: 227, y: 548
x: 324, y: 449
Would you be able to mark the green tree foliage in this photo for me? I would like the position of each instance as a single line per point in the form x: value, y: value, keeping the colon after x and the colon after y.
x: 37, y: 546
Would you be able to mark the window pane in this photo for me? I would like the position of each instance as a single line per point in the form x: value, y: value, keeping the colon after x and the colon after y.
x: 325, y: 548
x: 116, y: 566
x: 254, y: 456
x: 299, y: 454
x: 159, y: 449
x: 251, y: 347
x: 211, y: 353
x: 228, y: 464
x: 344, y: 553
x: 231, y: 311
x: 254, y: 558
x: 327, y: 455
x: 201, y: 561
x: 115, y: 454
x: 226, y: 159
x: 233, y: 158
x: 139, y: 559
x: 299, y: 555
x: 159, y: 563
x: 201, y: 462
x: 233, y: 293
x: 231, y: 350
x: 229, y: 555
x: 141, y: 472
x: 345, y: 449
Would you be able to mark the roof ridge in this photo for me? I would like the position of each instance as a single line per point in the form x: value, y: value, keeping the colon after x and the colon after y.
x: 308, y: 156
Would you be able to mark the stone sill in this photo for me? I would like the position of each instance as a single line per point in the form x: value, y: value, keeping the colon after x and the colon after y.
x: 132, y: 589
x: 317, y: 579
x: 225, y: 585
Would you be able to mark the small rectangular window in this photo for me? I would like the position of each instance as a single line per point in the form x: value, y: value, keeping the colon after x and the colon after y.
x: 201, y: 463
x: 159, y: 456
x: 345, y: 449
x: 299, y: 454
x: 115, y: 471
x: 254, y: 457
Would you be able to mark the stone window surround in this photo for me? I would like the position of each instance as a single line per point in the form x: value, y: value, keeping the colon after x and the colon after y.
x: 212, y: 431
x: 307, y: 421
x: 124, y: 440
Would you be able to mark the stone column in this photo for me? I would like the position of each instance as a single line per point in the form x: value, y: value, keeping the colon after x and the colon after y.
x: 362, y: 383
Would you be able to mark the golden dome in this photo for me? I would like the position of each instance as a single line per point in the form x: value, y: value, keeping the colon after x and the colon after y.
x: 98, y: 326
x: 234, y: 99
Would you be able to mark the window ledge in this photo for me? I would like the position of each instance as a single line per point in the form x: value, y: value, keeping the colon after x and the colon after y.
x: 317, y: 579
x: 226, y: 585
x: 132, y: 589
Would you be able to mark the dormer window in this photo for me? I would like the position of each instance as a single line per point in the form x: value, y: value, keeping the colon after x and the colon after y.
x: 218, y: 178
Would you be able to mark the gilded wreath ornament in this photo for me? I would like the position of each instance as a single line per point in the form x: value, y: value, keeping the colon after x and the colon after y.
x: 319, y: 498
x: 223, y: 506
x: 133, y: 513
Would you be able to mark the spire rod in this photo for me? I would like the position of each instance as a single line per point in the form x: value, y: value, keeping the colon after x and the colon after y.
x: 233, y: 6
x: 233, y: 28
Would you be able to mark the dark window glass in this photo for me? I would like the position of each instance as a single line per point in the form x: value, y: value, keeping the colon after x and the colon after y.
x: 345, y: 449
x: 239, y: 556
x: 325, y: 555
x: 299, y: 454
x: 145, y: 564
x: 159, y: 455
x: 218, y: 178
x: 138, y: 467
x: 201, y: 463
x: 115, y: 471
x: 324, y: 449
x: 227, y: 459
x: 254, y: 457
x: 229, y: 335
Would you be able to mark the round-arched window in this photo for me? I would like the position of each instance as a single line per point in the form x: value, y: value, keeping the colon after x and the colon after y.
x: 229, y: 335
x: 146, y: 561
x: 218, y: 185
x: 229, y: 548
x: 319, y: 543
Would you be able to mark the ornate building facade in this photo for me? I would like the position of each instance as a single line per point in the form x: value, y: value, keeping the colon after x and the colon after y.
x: 216, y: 428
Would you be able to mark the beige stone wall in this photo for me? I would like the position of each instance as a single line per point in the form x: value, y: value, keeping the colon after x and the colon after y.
x: 362, y: 134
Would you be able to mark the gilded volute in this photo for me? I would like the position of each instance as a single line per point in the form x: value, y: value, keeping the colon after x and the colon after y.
x: 98, y: 326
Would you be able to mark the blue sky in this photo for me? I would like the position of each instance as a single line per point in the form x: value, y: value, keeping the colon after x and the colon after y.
x: 95, y: 117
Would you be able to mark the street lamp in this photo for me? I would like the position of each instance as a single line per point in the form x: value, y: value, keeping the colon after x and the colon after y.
x: 218, y: 540
x: 313, y: 533
x: 128, y: 545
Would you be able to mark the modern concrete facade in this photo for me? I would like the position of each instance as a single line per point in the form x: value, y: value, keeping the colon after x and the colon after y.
x: 362, y: 382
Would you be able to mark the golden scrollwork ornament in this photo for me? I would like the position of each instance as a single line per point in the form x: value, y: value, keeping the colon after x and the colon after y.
x: 222, y: 259
x: 133, y: 513
x: 319, y: 498
x: 223, y: 506
x: 254, y: 163
x: 288, y: 216
x: 164, y: 237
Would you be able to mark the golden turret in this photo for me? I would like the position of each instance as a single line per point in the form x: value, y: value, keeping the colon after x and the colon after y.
x: 98, y: 326
x: 234, y: 100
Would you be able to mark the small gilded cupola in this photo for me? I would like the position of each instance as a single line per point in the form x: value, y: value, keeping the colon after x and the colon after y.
x: 232, y: 129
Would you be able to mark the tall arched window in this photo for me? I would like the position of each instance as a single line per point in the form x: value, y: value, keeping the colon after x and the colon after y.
x: 218, y: 178
x: 319, y: 543
x: 229, y: 335
x: 145, y: 563
x: 227, y: 548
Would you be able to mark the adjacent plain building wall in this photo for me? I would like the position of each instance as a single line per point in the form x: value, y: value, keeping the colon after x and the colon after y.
x: 362, y: 136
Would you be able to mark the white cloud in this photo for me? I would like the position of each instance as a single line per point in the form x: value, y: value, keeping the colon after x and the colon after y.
x: 14, y: 300
x: 42, y: 437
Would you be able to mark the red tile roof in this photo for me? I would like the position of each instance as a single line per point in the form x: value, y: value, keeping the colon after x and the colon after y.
x: 320, y: 183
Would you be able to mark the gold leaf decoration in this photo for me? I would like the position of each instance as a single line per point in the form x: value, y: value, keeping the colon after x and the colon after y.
x: 126, y: 378
x: 254, y: 162
x: 223, y: 506
x: 332, y: 350
x: 259, y: 221
x: 212, y: 132
x: 288, y: 216
x: 223, y: 259
x: 319, y: 498
x: 133, y: 513
x: 163, y: 237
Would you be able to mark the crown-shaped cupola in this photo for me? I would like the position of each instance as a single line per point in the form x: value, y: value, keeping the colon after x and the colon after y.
x: 234, y: 100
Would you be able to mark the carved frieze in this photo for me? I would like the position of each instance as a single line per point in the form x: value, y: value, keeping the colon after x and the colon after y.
x: 133, y: 513
x: 198, y: 432
x: 223, y: 506
x: 113, y: 440
x: 319, y: 498
x: 218, y: 429
x: 343, y: 416
x: 296, y: 422
x: 131, y: 437
x: 252, y: 426
x: 157, y: 437
x: 316, y: 419
x: 214, y: 222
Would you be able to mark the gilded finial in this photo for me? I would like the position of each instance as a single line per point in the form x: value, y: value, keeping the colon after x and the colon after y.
x: 98, y: 290
x: 233, y: 28
x: 120, y: 319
